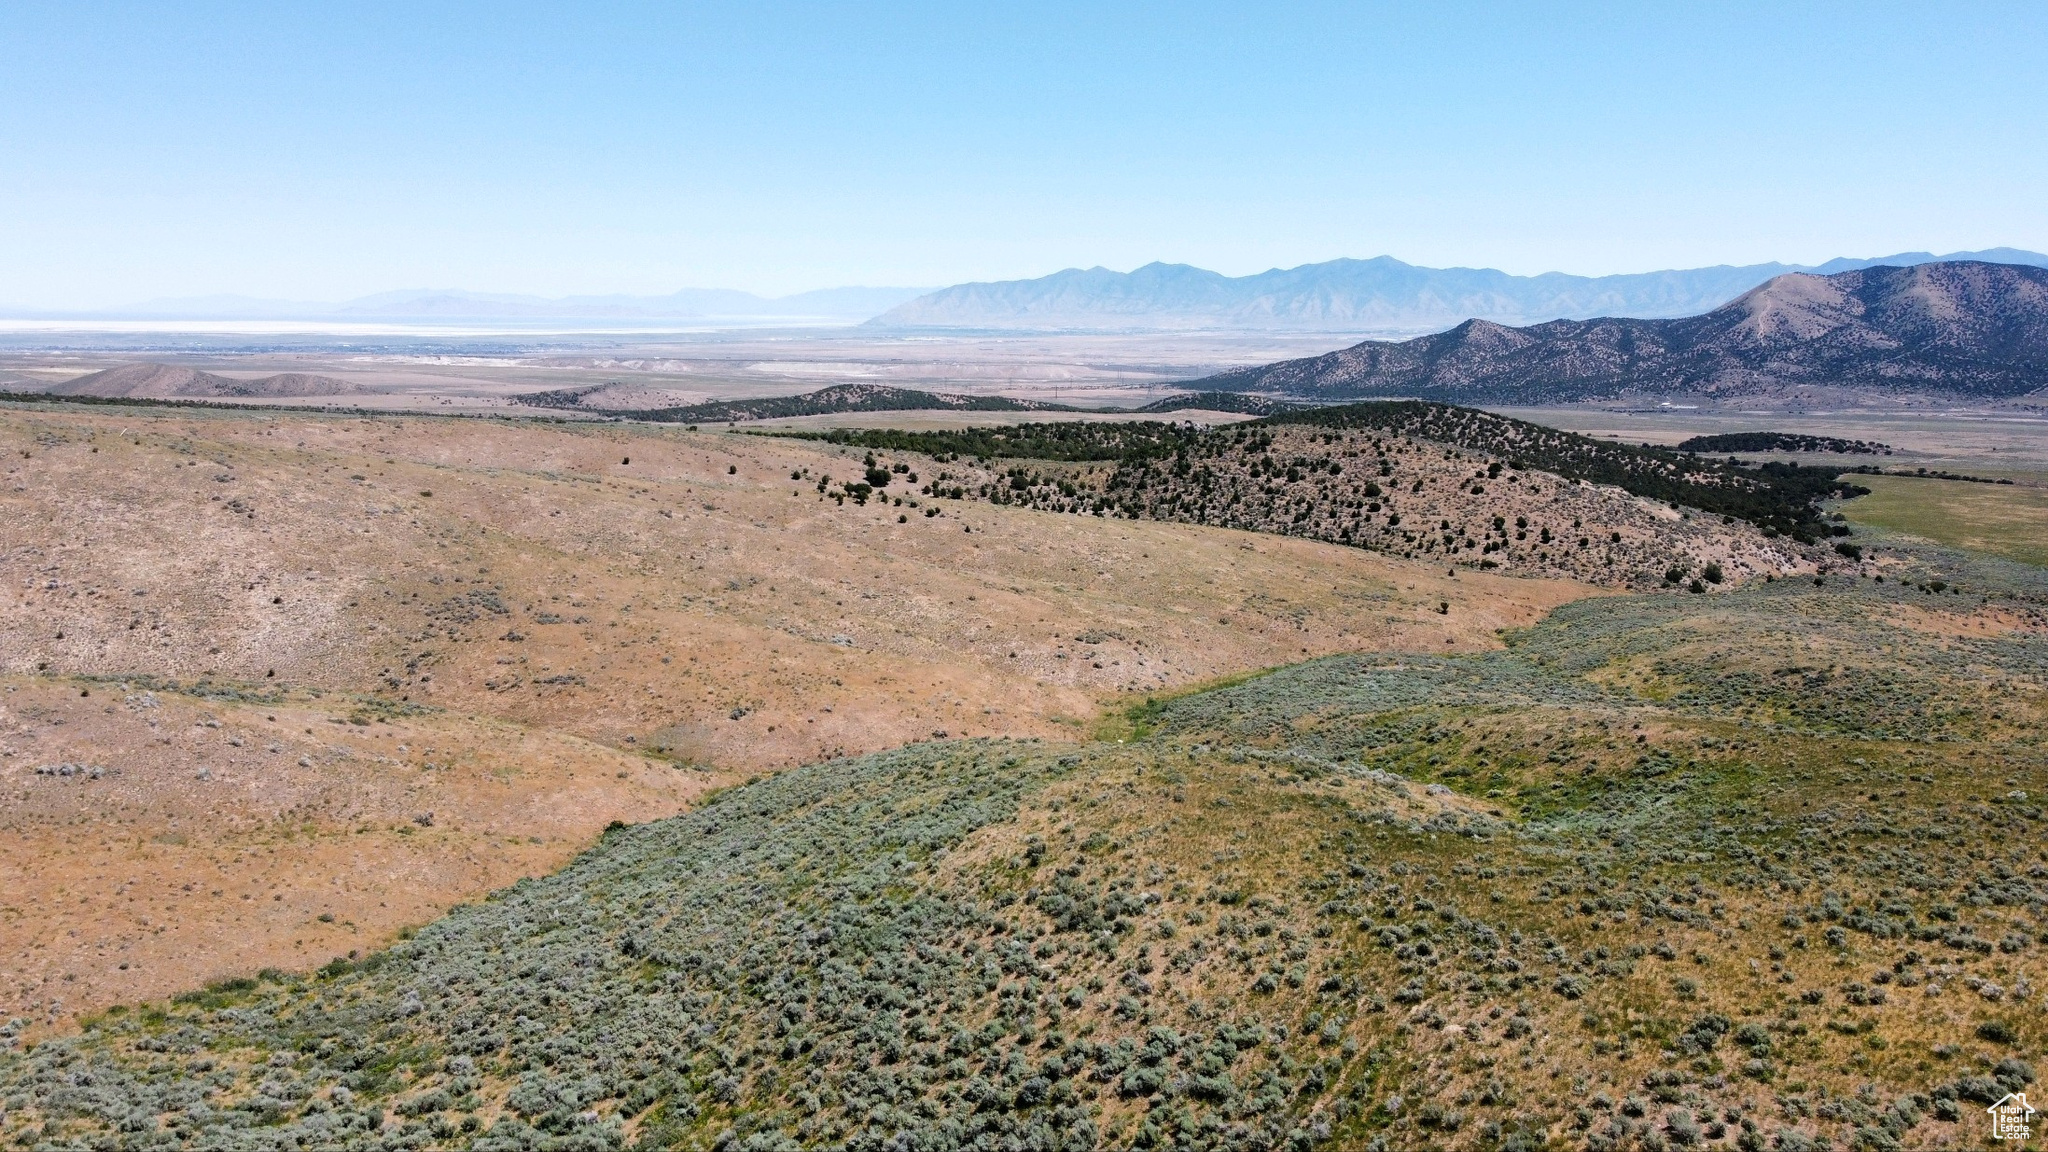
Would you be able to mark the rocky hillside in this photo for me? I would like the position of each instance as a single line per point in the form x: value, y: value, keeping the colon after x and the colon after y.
x: 1964, y: 329
x: 1760, y: 871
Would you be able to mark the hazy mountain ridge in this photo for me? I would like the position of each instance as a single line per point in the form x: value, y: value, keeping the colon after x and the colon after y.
x: 835, y: 304
x: 1963, y: 329
x: 1380, y: 294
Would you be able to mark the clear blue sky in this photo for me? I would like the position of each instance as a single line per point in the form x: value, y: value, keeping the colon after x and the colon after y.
x: 319, y: 152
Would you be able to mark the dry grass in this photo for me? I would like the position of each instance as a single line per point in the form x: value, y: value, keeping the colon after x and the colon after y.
x: 563, y: 617
x: 219, y: 837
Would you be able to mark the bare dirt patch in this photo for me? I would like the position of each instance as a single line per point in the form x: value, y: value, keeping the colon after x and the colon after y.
x: 155, y: 840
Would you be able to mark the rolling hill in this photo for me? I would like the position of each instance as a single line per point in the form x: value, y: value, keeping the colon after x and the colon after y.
x: 1962, y: 329
x: 1378, y: 295
x: 843, y: 398
x: 1026, y: 856
x: 1694, y: 872
x: 876, y: 398
x: 1408, y: 478
x: 276, y: 639
x: 167, y: 380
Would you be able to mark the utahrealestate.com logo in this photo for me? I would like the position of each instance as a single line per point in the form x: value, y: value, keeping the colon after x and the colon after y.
x: 2011, y: 1118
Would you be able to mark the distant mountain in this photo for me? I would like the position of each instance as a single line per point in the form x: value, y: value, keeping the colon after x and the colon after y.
x: 167, y: 380
x: 1964, y: 329
x: 216, y: 307
x: 835, y: 305
x: 1382, y: 296
x: 1378, y: 295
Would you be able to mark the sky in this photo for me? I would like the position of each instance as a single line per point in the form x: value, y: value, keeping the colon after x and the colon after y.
x: 320, y: 152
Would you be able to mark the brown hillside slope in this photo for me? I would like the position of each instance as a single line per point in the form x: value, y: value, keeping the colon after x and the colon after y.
x: 571, y: 623
x: 152, y: 840
x: 525, y: 571
x: 289, y: 384
x: 173, y: 381
x: 145, y: 380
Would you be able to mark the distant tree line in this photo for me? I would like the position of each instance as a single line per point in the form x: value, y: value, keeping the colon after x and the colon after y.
x: 1781, y: 442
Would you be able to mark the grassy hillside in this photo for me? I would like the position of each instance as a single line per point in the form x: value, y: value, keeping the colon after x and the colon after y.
x: 286, y: 638
x: 1755, y: 870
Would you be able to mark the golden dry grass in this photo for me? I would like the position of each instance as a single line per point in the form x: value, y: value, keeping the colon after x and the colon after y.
x: 198, y: 839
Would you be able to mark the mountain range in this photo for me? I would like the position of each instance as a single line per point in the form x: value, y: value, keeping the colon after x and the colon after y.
x: 1381, y: 295
x: 1964, y: 329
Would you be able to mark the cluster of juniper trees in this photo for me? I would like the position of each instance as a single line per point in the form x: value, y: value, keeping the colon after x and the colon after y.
x: 1780, y: 498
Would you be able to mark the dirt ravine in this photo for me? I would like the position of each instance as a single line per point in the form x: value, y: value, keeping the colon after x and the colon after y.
x: 562, y: 626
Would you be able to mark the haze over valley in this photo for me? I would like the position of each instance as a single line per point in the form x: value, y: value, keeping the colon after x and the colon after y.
x: 1379, y: 295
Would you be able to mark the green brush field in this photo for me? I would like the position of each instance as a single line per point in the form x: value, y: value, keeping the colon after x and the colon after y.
x: 1756, y: 870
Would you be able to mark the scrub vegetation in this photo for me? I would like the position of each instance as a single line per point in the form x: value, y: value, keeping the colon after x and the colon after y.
x: 1779, y: 498
x: 1410, y: 479
x: 1761, y: 870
